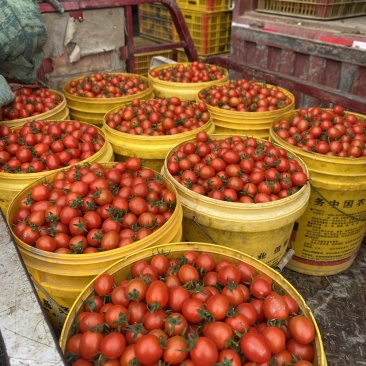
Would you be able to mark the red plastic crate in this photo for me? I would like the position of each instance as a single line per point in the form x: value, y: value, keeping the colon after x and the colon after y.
x: 314, y: 9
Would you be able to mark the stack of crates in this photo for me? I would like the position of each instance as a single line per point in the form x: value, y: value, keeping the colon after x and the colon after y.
x: 142, y: 61
x: 155, y: 26
x: 314, y: 9
x: 208, y: 21
x: 155, y: 22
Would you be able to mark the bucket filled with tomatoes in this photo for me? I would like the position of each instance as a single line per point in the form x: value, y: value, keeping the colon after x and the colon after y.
x: 33, y: 150
x: 72, y: 224
x: 90, y: 97
x: 246, y: 107
x: 150, y: 129
x: 332, y: 143
x: 32, y: 103
x: 184, y: 80
x: 192, y: 304
x: 242, y: 192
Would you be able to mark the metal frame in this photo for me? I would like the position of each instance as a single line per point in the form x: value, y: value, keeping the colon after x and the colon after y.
x: 127, y: 52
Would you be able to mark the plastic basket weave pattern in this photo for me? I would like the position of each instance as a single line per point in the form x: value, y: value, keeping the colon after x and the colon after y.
x: 210, y: 31
x: 206, y: 5
x: 314, y: 9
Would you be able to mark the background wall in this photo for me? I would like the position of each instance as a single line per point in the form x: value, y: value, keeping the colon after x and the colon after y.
x: 77, y: 47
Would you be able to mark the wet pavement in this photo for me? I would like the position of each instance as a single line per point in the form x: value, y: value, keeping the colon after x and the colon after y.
x: 338, y: 303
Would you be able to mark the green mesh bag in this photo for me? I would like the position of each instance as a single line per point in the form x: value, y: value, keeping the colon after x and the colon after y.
x: 22, y: 37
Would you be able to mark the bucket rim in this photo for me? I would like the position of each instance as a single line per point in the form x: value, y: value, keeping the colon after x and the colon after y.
x: 41, y: 116
x: 226, y: 113
x: 311, y: 154
x: 183, y: 85
x: 211, y: 201
x: 75, y: 259
x: 280, y: 281
x: 41, y: 175
x: 124, y: 135
x: 93, y: 101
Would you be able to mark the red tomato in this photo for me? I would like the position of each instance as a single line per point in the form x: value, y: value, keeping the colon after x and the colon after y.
x: 103, y: 285
x: 219, y: 332
x: 205, y: 352
x: 218, y: 305
x: 255, y: 347
x: 301, y: 329
x: 148, y: 350
x: 90, y: 345
x: 275, y: 307
x: 157, y: 293
x: 175, y: 350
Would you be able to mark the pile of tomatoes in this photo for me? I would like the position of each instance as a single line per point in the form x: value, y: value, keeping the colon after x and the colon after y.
x: 236, y: 169
x: 105, y: 85
x: 245, y: 96
x: 159, y: 117
x: 195, y: 72
x: 191, y: 310
x: 325, y: 131
x: 89, y: 209
x: 30, y: 102
x: 47, y: 145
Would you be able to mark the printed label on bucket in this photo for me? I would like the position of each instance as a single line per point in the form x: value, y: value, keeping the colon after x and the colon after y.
x: 332, y: 227
x: 56, y: 313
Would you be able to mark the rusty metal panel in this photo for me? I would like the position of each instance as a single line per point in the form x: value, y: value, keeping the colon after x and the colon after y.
x: 332, y: 73
x: 323, y: 65
x: 359, y: 81
x: 274, y: 55
x: 338, y: 304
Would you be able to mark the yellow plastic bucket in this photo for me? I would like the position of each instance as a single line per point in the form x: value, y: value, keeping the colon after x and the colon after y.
x: 152, y: 150
x: 256, y: 124
x: 184, y: 91
x: 260, y: 230
x: 92, y: 110
x: 60, y: 278
x: 122, y: 269
x: 327, y: 237
x: 12, y: 184
x: 60, y: 112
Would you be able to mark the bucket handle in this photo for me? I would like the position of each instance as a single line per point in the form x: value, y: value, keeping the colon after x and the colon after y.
x: 336, y: 208
x: 204, y: 231
x: 285, y: 259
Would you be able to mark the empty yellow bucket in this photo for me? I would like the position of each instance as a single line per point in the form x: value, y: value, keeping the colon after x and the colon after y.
x: 327, y: 237
x: 60, y: 278
x: 260, y: 230
x: 122, y: 269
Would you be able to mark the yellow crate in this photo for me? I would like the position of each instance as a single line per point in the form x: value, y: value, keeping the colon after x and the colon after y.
x: 154, y: 10
x: 206, y: 5
x: 155, y: 22
x: 210, y: 31
x: 314, y: 9
x: 142, y: 61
